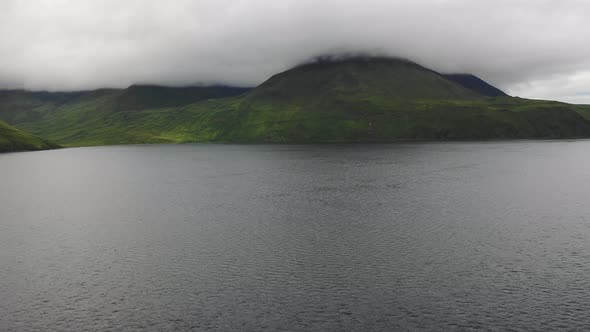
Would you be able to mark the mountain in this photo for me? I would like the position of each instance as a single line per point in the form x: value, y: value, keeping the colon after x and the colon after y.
x: 103, y: 116
x: 476, y: 84
x: 386, y: 78
x: 12, y: 139
x: 19, y: 105
x: 326, y: 100
x: 139, y: 97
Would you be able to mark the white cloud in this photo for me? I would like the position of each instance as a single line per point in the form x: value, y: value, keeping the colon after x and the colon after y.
x: 522, y: 46
x: 572, y: 88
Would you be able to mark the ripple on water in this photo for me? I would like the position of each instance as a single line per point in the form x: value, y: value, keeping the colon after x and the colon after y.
x: 460, y: 236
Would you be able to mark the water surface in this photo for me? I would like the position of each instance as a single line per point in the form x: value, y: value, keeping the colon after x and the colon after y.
x: 425, y: 236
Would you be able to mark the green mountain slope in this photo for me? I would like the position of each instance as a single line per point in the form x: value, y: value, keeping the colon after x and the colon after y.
x: 140, y: 97
x: 18, y: 106
x: 355, y: 99
x: 12, y: 139
x: 476, y: 84
x: 382, y: 78
x: 382, y: 120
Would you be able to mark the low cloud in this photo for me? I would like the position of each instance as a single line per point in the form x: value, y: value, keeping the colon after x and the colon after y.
x: 532, y: 48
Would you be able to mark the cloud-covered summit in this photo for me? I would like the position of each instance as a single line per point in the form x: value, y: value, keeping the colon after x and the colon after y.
x: 531, y: 48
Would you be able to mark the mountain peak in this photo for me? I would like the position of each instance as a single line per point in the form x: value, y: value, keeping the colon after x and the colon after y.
x: 363, y: 77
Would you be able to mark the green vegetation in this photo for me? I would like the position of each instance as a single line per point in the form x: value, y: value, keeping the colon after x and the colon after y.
x: 360, y: 99
x: 12, y: 139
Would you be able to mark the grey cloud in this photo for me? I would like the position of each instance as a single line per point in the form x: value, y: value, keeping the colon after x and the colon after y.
x: 528, y: 47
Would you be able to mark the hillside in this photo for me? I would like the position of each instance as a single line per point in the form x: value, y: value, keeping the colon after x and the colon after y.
x: 139, y: 97
x: 12, y: 139
x: 382, y: 78
x: 354, y: 99
x: 18, y: 106
x: 476, y: 84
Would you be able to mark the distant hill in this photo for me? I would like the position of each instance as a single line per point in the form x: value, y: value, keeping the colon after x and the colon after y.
x: 12, y: 139
x: 139, y: 97
x: 19, y: 105
x: 476, y: 84
x: 326, y: 100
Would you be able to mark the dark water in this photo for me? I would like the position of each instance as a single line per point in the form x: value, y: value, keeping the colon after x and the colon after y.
x: 432, y: 236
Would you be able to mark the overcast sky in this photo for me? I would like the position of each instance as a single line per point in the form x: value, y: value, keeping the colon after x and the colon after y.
x: 529, y: 48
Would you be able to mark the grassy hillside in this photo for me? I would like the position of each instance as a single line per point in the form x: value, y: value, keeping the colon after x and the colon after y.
x: 17, y: 106
x: 12, y: 139
x: 140, y: 97
x: 241, y: 121
x: 360, y: 99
